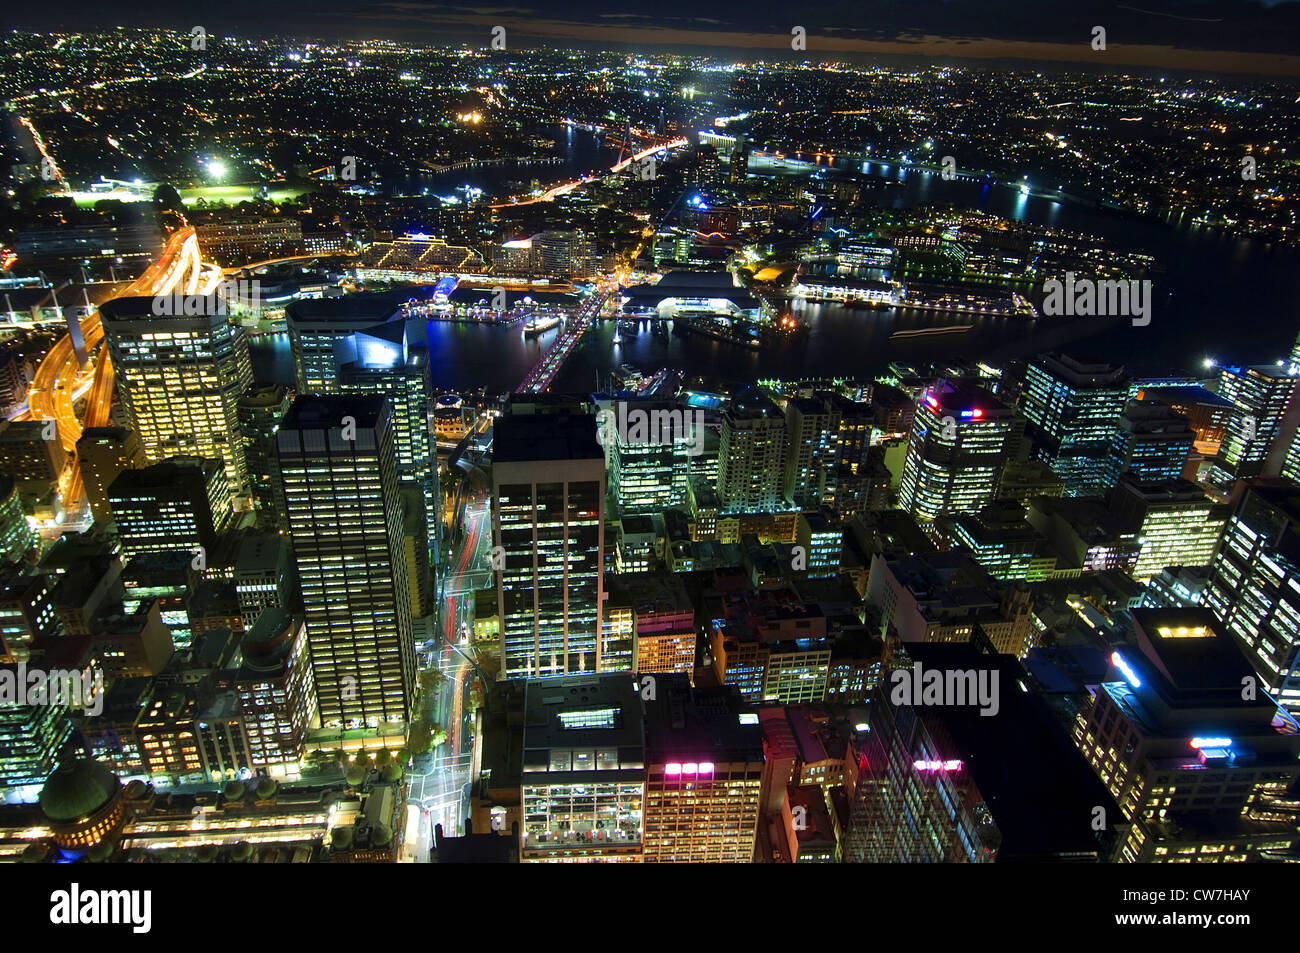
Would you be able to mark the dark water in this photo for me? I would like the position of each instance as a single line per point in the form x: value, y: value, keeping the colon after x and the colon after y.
x: 1221, y: 297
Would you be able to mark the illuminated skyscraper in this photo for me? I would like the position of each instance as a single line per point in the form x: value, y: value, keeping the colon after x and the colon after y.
x: 704, y: 770
x: 961, y: 437
x: 180, y: 379
x: 103, y: 453
x: 1070, y: 408
x: 1150, y: 441
x: 811, y: 443
x: 1251, y: 445
x: 1197, y: 765
x: 319, y: 329
x: 338, y: 471
x: 548, y: 516
x: 1176, y: 524
x: 1254, y: 585
x: 751, y: 456
x: 179, y: 504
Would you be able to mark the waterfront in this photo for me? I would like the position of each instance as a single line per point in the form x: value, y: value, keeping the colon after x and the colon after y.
x: 1241, y: 295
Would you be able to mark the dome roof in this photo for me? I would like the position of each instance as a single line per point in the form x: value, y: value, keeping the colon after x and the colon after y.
x: 77, y: 788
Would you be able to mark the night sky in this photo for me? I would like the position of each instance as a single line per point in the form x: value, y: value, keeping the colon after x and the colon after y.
x: 1192, y: 34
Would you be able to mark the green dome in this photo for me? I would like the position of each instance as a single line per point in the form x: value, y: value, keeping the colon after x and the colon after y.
x: 77, y: 788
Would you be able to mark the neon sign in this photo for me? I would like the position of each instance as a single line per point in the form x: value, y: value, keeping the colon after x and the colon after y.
x: 1210, y: 742
x: 1129, y: 675
x: 953, y: 765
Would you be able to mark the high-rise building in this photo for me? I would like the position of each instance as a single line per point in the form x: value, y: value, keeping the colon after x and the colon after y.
x: 1254, y: 585
x: 584, y: 770
x: 648, y: 470
x: 704, y: 771
x: 1197, y: 763
x: 1151, y: 442
x: 1176, y: 524
x: 180, y: 379
x: 947, y: 778
x: 548, y: 516
x: 260, y: 411
x: 181, y: 503
x: 337, y: 465
x: 751, y: 456
x: 961, y: 437
x: 1258, y: 435
x: 16, y: 536
x: 318, y: 333
x: 265, y: 577
x: 1070, y: 408
x: 811, y: 445
x: 103, y: 453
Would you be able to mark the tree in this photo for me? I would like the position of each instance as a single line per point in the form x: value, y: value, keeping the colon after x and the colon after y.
x: 391, y: 774
x: 166, y: 197
x: 235, y: 791
x: 356, y: 775
x: 267, y: 787
x: 241, y: 852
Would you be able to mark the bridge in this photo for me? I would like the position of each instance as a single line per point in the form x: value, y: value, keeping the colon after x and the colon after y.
x: 567, y: 187
x: 541, y: 376
x: 65, y: 376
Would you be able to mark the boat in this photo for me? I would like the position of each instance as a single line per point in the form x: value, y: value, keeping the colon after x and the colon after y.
x: 539, y: 326
x: 952, y: 329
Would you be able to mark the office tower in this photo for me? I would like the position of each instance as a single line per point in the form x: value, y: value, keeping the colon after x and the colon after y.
x: 318, y: 329
x: 821, y: 539
x: 1001, y: 540
x: 1177, y: 587
x: 1258, y: 435
x: 1070, y: 409
x: 584, y: 770
x: 1151, y: 442
x: 276, y: 691
x: 704, y: 771
x: 751, y: 456
x: 338, y: 470
x: 180, y: 504
x: 961, y: 437
x: 947, y: 597
x: 548, y: 517
x: 31, y: 740
x: 103, y: 453
x: 180, y: 379
x: 739, y: 161
x: 648, y: 469
x: 1197, y: 765
x: 943, y: 782
x: 266, y: 576
x: 811, y: 443
x: 1254, y: 585
x: 1176, y: 524
x: 16, y: 537
x: 260, y: 411
x: 33, y: 462
x: 27, y: 613
x: 382, y: 360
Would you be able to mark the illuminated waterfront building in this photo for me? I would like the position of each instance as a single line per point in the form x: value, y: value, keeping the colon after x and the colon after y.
x: 1070, y: 408
x: 338, y: 468
x: 180, y: 380
x: 960, y: 439
x: 1199, y: 767
x: 548, y: 516
x: 1254, y: 585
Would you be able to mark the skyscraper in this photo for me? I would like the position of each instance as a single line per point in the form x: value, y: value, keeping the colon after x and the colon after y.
x: 179, y: 504
x: 548, y: 518
x: 751, y: 456
x: 961, y: 437
x: 318, y: 329
x: 1151, y: 441
x: 1070, y: 408
x: 1251, y: 445
x: 1254, y: 585
x: 180, y: 379
x: 811, y: 442
x: 338, y: 472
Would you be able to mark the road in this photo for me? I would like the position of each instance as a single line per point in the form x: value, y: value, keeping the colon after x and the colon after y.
x: 61, y: 380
